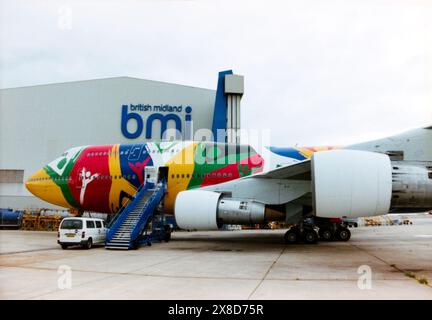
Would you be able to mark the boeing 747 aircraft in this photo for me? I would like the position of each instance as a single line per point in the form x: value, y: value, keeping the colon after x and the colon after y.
x: 210, y: 184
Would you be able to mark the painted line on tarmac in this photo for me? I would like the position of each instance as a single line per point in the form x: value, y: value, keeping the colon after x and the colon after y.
x: 26, y: 251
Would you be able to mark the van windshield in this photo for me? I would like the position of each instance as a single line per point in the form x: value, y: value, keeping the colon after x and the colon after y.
x: 71, y: 224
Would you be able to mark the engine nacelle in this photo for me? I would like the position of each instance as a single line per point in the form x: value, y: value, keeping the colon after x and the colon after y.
x: 208, y: 210
x: 350, y: 183
x: 197, y: 209
x: 412, y: 187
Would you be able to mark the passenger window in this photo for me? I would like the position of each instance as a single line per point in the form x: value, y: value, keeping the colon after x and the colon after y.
x: 98, y: 224
x: 90, y: 224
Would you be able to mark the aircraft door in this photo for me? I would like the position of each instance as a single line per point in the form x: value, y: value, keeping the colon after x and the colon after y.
x: 150, y: 174
x: 163, y: 174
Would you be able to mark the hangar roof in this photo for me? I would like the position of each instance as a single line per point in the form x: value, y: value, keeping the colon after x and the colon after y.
x: 107, y: 79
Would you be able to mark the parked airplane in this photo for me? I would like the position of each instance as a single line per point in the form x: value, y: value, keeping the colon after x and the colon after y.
x: 210, y: 184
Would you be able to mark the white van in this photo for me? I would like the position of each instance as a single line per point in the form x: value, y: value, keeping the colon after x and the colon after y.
x: 81, y: 231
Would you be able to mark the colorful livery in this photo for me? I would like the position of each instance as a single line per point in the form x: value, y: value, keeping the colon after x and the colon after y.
x: 102, y: 178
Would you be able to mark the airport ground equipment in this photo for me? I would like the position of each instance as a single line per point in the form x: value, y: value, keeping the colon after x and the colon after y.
x: 41, y: 220
x: 138, y: 222
x: 10, y: 218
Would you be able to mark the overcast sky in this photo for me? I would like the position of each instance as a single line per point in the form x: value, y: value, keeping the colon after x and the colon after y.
x: 316, y: 72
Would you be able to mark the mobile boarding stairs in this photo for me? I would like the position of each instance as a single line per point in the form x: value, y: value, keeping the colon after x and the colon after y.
x: 139, y: 221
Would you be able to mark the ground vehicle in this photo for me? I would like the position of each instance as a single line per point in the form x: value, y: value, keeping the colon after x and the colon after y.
x: 81, y: 231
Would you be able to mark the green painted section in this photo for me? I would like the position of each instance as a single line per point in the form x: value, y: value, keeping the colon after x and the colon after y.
x: 63, y: 183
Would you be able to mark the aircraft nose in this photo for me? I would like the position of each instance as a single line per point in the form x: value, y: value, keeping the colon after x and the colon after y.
x: 41, y: 185
x: 37, y: 182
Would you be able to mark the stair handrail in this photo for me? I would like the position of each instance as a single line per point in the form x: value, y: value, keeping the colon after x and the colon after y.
x: 120, y: 211
x: 122, y: 214
x: 151, y: 204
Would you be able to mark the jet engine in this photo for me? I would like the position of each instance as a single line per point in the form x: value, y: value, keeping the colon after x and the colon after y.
x: 208, y: 210
x: 412, y: 187
x: 351, y: 183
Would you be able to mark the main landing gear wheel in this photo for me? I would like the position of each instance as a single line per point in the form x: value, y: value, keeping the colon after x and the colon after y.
x: 310, y: 236
x: 292, y: 236
x: 326, y: 234
x: 343, y: 234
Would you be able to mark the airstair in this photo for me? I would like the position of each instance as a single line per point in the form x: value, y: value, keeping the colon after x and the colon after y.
x: 138, y: 222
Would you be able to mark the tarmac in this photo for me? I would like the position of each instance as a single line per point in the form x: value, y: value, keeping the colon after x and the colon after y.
x: 385, y: 262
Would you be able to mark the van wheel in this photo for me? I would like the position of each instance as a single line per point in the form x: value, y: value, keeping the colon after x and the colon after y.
x: 64, y: 246
x: 89, y: 243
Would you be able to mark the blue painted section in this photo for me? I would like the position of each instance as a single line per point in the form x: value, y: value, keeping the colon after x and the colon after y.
x: 133, y: 160
x: 287, y: 152
x: 164, y: 123
x: 125, y: 118
x: 220, y: 111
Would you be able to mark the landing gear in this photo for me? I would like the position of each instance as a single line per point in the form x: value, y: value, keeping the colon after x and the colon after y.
x: 292, y: 236
x: 343, y: 234
x: 308, y: 235
x: 328, y: 230
x: 326, y: 234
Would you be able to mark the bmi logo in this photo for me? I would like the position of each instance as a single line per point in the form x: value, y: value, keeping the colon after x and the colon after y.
x: 171, y: 114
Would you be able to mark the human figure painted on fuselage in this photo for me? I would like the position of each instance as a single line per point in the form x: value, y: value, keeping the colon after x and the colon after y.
x: 86, y: 178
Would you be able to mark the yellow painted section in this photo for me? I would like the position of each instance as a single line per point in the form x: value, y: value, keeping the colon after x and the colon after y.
x: 118, y: 184
x: 182, y: 164
x: 307, y: 152
x: 42, y: 186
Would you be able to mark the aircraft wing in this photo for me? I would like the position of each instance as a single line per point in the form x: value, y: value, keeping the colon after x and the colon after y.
x: 277, y: 186
x: 285, y: 172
